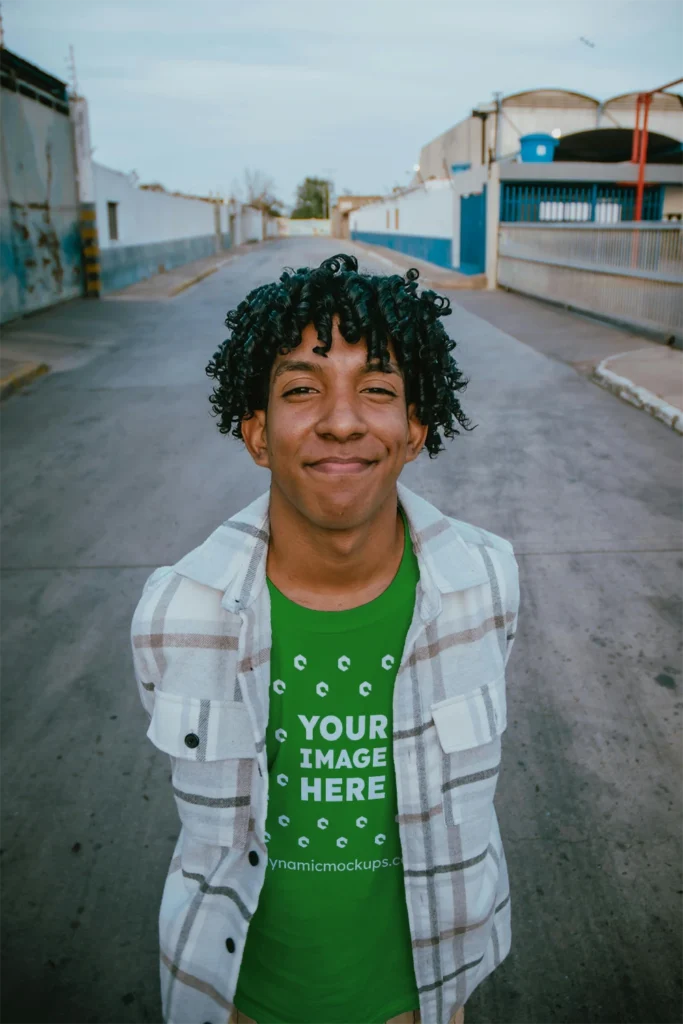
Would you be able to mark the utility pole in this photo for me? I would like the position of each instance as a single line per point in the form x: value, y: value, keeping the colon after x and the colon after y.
x: 498, y: 98
x: 327, y: 171
x: 71, y: 63
x: 483, y: 117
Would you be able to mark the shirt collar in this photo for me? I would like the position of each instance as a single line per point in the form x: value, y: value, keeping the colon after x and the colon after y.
x: 233, y: 557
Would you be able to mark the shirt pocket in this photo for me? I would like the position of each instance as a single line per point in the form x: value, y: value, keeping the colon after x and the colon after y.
x: 213, y: 758
x: 469, y: 728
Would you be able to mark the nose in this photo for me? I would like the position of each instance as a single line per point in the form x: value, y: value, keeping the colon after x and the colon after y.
x: 341, y: 417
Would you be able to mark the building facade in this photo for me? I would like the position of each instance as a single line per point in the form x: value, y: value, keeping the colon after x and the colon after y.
x: 40, y: 244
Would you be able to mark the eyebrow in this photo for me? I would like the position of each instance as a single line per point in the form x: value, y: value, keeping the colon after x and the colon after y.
x: 302, y: 366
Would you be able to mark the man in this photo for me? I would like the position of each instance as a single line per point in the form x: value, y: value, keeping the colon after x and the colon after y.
x: 327, y: 673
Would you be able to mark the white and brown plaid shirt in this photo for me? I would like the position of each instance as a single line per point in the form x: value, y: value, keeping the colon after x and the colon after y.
x: 201, y: 639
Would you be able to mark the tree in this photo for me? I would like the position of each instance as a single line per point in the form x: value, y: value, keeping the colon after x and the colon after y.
x: 259, y: 190
x: 312, y: 199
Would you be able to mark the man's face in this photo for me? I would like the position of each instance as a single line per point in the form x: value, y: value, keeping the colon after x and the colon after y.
x: 337, y: 432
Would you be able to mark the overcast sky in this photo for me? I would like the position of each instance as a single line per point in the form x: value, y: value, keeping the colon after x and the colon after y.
x: 190, y: 93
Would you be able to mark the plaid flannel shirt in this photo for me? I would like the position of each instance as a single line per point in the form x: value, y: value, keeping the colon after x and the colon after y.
x: 201, y: 640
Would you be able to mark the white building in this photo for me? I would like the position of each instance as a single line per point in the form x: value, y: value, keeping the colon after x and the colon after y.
x: 493, y: 131
x: 561, y: 156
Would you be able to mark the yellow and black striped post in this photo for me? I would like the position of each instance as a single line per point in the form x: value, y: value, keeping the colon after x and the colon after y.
x: 91, y: 251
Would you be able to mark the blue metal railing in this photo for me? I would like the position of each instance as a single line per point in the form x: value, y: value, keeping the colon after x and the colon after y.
x: 567, y: 202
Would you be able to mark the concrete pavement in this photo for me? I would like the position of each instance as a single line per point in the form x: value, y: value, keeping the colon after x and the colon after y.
x: 114, y: 466
x: 645, y: 373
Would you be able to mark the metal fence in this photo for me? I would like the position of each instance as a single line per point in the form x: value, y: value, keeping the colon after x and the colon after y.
x: 566, y: 201
x: 632, y: 273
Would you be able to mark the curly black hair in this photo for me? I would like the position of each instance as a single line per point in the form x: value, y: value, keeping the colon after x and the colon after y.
x: 371, y: 307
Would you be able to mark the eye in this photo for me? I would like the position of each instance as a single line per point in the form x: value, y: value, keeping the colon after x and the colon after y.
x: 298, y: 390
x: 382, y: 391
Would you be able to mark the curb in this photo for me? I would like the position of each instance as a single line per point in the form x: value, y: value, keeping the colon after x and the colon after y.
x: 640, y: 397
x: 195, y: 280
x: 25, y: 373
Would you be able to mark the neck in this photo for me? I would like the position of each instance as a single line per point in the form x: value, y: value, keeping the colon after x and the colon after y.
x: 333, y: 570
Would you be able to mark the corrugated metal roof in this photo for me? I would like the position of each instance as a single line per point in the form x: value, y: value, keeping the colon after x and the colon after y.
x: 549, y: 98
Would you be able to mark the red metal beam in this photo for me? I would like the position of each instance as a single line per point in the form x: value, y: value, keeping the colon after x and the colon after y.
x: 635, y: 148
x: 640, y: 189
x: 661, y: 88
x: 639, y: 150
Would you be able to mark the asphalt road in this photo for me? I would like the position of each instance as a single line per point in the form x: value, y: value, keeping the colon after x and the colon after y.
x: 114, y: 467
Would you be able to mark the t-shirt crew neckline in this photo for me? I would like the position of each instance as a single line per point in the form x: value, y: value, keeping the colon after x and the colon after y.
x: 333, y: 622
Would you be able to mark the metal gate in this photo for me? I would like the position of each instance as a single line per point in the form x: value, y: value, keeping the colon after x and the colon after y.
x: 601, y: 203
x: 473, y: 233
x: 40, y: 245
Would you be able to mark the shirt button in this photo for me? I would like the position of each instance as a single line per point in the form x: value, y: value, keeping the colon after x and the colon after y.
x: 230, y: 945
x: 192, y: 740
x: 253, y: 858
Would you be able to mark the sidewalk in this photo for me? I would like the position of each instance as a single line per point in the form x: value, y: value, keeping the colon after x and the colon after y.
x: 643, y: 372
x: 170, y: 283
x: 28, y: 351
x: 648, y: 378
x: 430, y: 274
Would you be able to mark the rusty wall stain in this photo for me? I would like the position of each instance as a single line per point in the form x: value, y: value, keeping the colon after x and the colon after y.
x: 42, y: 262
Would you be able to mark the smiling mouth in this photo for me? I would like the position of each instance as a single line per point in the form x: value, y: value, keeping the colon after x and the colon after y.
x: 341, y: 467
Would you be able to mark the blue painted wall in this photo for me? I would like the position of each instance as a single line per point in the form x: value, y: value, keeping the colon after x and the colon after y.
x: 434, y: 250
x: 123, y: 265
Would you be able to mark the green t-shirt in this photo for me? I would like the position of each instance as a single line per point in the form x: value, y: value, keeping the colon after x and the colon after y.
x: 330, y: 940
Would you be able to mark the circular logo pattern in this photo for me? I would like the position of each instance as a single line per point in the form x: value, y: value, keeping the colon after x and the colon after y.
x: 361, y: 822
x: 323, y: 822
x: 300, y: 662
x: 280, y: 735
x: 341, y: 842
x: 387, y: 661
x: 282, y: 780
x: 303, y: 841
x: 279, y: 686
x: 380, y: 839
x: 364, y: 689
x: 322, y: 689
x: 344, y: 663
x: 283, y: 820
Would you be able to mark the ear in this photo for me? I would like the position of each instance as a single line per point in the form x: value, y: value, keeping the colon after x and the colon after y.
x: 417, y: 434
x: 255, y: 439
